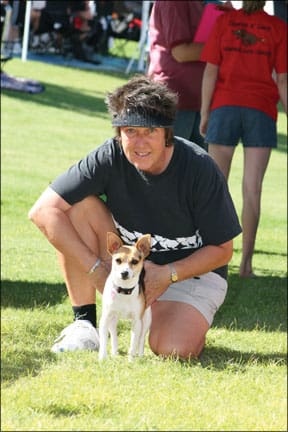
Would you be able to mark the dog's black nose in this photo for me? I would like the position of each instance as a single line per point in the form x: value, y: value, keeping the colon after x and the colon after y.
x: 124, y: 275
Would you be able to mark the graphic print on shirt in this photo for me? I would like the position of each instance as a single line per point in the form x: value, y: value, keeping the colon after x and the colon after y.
x: 246, y: 37
x: 160, y: 243
x: 250, y: 37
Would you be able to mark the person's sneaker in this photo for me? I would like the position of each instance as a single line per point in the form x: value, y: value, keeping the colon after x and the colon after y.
x: 35, y: 42
x: 80, y: 335
x: 17, y: 48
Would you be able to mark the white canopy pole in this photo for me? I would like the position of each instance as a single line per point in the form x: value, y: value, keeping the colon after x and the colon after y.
x: 142, y: 39
x: 144, y: 33
x: 25, y: 40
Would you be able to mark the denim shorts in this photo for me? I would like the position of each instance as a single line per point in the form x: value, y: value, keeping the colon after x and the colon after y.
x: 229, y: 124
x: 206, y: 293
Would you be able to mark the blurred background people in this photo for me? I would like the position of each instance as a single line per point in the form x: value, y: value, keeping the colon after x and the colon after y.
x: 174, y: 58
x: 13, y: 12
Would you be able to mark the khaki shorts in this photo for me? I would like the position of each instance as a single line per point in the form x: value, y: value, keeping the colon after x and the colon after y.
x: 206, y: 294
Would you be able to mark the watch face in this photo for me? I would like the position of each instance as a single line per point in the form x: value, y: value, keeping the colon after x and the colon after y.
x: 174, y: 277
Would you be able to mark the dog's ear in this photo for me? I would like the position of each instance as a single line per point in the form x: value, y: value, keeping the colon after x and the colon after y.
x: 114, y: 242
x: 144, y: 244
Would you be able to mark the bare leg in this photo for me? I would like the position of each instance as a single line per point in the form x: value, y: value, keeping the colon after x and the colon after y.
x: 177, y: 329
x: 255, y: 164
x: 113, y: 334
x: 146, y: 323
x: 92, y: 220
x: 103, y: 336
x: 35, y: 19
x: 223, y: 157
x: 135, y: 337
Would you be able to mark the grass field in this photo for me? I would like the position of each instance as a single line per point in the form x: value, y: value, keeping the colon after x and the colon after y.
x: 240, y: 381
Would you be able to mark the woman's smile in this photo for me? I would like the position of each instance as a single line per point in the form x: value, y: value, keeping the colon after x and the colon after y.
x: 145, y: 148
x: 142, y: 154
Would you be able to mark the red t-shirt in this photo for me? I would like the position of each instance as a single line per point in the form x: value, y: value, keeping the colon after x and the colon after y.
x: 247, y: 48
x: 173, y: 23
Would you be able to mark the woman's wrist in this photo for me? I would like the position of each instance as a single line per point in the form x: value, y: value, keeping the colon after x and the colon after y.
x: 95, y: 266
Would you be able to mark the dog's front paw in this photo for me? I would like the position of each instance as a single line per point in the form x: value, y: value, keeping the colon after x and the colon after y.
x: 131, y: 358
x: 131, y: 355
x: 102, y: 356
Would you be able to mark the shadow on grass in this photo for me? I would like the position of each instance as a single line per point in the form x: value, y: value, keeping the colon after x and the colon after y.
x: 67, y: 98
x: 263, y: 252
x: 21, y: 294
x: 27, y: 363
x: 28, y: 295
x: 281, y: 143
x: 259, y: 303
x: 217, y: 358
x: 250, y: 304
x: 281, y: 138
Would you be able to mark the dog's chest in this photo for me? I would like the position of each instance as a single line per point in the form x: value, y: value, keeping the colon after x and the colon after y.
x: 124, y: 305
x: 127, y: 309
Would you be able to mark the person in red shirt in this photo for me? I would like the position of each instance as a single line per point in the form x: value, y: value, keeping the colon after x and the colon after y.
x: 244, y: 77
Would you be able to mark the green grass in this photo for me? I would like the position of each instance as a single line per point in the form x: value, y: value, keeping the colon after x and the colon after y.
x: 124, y: 49
x: 240, y: 381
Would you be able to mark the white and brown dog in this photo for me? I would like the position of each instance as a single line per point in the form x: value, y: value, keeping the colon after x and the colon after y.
x: 123, y: 295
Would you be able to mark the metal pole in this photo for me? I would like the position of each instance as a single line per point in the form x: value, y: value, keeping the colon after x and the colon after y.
x: 143, y: 38
x: 25, y: 40
x: 144, y: 34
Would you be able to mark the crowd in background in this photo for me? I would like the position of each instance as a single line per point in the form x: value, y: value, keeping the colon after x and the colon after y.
x: 81, y: 29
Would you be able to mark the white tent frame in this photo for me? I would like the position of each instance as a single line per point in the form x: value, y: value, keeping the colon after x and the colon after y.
x: 26, y: 31
x: 143, y: 38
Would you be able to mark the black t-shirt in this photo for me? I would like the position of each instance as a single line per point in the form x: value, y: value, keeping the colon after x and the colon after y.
x: 186, y: 207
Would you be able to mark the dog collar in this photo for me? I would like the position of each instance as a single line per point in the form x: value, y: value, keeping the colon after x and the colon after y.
x: 126, y: 291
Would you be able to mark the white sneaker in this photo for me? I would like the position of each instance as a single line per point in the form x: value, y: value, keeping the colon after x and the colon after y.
x: 35, y: 41
x: 45, y: 38
x: 80, y: 335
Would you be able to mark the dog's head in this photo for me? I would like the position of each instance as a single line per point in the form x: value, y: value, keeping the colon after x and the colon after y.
x: 127, y: 261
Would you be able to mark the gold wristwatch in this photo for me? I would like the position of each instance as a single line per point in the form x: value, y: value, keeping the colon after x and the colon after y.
x: 173, y: 276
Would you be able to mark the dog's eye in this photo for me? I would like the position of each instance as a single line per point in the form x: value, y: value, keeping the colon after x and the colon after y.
x: 118, y: 260
x: 134, y: 261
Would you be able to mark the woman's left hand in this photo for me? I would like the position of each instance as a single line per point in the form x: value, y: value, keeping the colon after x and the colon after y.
x: 157, y: 280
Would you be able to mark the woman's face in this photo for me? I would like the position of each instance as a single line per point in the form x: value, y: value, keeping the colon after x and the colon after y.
x: 145, y: 148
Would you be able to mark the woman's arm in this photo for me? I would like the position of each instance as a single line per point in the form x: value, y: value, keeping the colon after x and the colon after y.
x: 281, y: 80
x: 187, y: 52
x: 208, y: 87
x: 204, y: 260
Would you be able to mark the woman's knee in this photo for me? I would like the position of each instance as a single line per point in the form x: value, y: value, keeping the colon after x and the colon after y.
x: 86, y: 206
x: 177, y: 330
x: 164, y: 346
x: 92, y: 219
x: 93, y: 211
